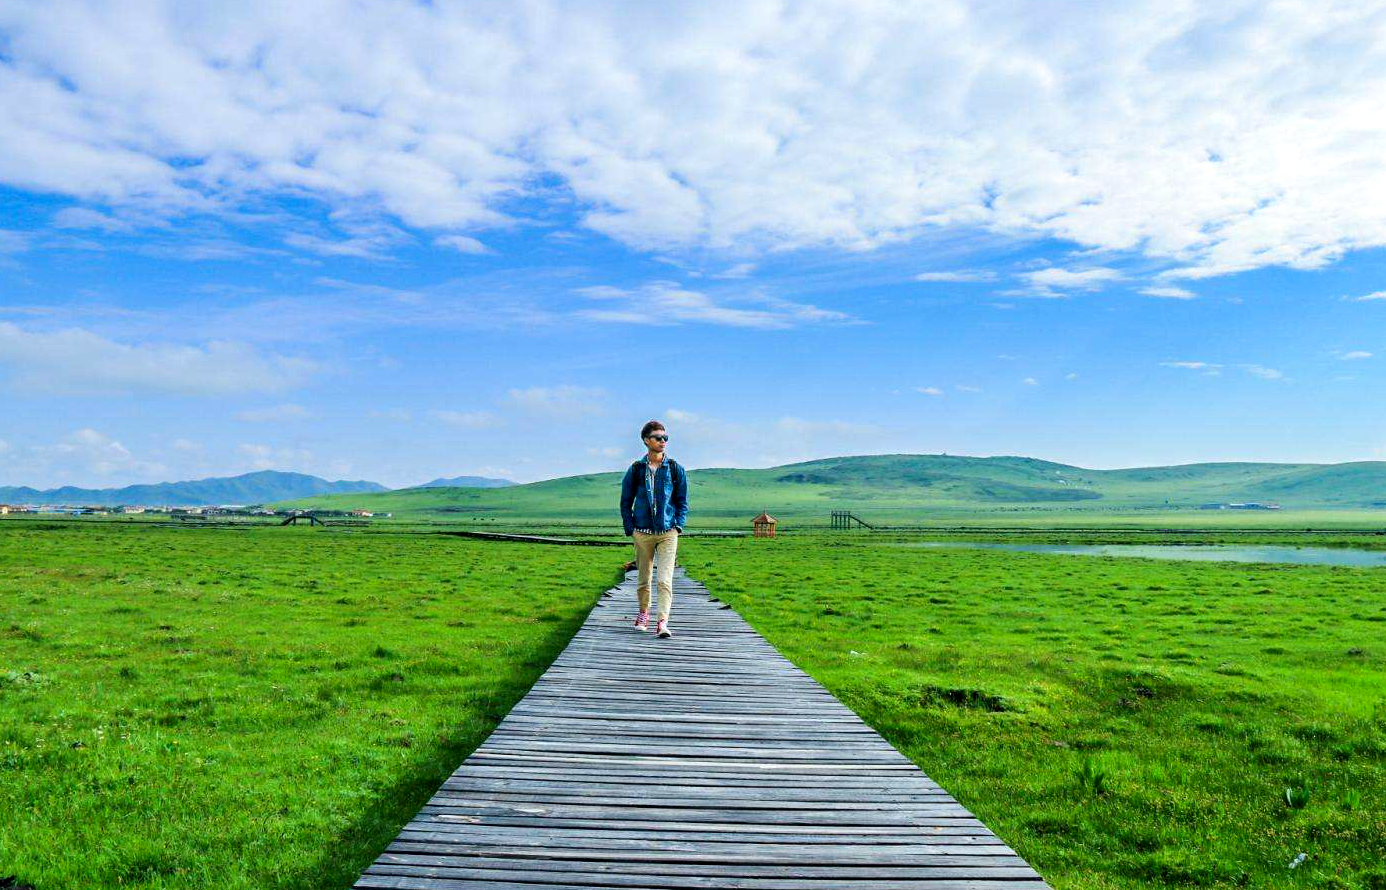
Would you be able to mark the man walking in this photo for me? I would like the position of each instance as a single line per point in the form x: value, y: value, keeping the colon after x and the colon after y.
x: 654, y: 505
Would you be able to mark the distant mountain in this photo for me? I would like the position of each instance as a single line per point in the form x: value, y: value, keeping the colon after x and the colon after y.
x: 251, y: 488
x: 905, y: 487
x: 467, y: 482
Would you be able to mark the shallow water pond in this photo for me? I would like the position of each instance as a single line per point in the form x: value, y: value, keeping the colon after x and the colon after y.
x: 1332, y: 556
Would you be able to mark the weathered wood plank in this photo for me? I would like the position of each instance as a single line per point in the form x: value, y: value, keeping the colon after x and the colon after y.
x: 705, y: 761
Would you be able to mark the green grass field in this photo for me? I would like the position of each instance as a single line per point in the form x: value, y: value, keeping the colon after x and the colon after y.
x: 257, y: 708
x: 1122, y: 723
x: 265, y: 707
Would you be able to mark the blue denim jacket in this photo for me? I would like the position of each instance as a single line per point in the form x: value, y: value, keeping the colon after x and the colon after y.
x: 659, y: 510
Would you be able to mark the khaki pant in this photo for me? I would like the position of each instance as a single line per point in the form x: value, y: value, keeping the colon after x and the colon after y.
x: 659, y: 546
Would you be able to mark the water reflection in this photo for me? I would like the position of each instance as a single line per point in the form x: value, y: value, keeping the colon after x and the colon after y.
x: 1331, y: 556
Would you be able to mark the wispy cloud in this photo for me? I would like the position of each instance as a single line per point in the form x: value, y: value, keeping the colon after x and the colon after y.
x: 566, y: 400
x: 12, y: 242
x: 958, y: 275
x: 1354, y: 355
x: 1169, y: 293
x: 1374, y: 295
x: 361, y: 235
x: 286, y: 413
x: 740, y: 270
x: 259, y: 456
x: 767, y: 441
x: 462, y: 244
x: 77, y: 361
x: 1209, y: 369
x: 1055, y: 282
x: 929, y: 390
x: 100, y: 454
x: 473, y: 420
x: 86, y: 218
x: 667, y: 303
x: 1263, y: 372
x: 85, y: 456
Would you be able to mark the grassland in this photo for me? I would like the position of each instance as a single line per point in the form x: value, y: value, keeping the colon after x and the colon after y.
x: 1122, y: 723
x: 252, y: 708
x: 265, y: 707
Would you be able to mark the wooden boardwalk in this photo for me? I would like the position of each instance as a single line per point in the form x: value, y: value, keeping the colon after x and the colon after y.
x: 703, y: 761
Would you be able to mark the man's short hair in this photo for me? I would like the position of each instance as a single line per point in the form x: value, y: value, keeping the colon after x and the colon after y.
x: 648, y: 428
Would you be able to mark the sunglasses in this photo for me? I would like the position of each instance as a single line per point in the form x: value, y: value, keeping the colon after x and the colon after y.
x: 659, y: 438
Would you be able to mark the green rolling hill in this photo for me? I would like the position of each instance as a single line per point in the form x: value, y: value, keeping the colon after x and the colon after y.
x: 899, y: 488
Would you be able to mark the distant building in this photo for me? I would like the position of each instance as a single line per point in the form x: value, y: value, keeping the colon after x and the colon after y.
x: 366, y: 513
x: 1247, y: 505
x: 764, y: 525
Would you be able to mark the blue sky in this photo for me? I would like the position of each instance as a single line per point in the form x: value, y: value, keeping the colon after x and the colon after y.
x: 1149, y: 236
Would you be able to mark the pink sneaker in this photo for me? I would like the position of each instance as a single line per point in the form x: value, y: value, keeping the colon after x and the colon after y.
x: 662, y: 629
x: 642, y: 621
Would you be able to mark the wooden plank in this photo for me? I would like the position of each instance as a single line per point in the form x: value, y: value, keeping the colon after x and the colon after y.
x: 704, y: 761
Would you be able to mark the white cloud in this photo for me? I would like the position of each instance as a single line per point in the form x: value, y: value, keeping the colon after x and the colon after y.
x: 87, y: 452
x: 1053, y: 281
x: 1030, y: 381
x: 366, y: 247
x: 965, y: 388
x: 78, y: 361
x: 561, y: 401
x: 1216, y: 136
x: 268, y: 457
x: 1263, y: 372
x: 1169, y: 293
x: 85, y: 218
x: 1374, y: 295
x: 666, y: 303
x: 1210, y: 369
x: 399, y: 295
x: 929, y: 390
x: 461, y: 244
x: 702, y: 440
x: 14, y: 242
x: 465, y: 419
x: 740, y: 270
x: 1355, y: 354
x: 1071, y: 376
x: 957, y: 276
x: 285, y: 413
x: 85, y: 457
